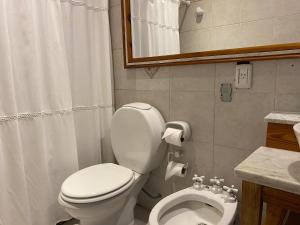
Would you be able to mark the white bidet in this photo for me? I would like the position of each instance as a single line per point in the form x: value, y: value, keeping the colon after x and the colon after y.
x: 194, y: 207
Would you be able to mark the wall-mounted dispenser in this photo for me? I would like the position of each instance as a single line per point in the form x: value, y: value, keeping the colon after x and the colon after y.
x: 177, y: 132
x: 176, y: 169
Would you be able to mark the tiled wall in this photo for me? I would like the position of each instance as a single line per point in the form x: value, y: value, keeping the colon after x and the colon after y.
x: 239, y: 23
x: 223, y: 133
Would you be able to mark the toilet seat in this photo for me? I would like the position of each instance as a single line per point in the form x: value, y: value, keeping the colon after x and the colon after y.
x: 96, y: 183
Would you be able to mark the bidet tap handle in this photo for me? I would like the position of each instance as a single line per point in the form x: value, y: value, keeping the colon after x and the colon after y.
x: 200, y: 179
x: 231, y: 190
x: 198, y: 182
x: 232, y: 193
x: 217, y: 181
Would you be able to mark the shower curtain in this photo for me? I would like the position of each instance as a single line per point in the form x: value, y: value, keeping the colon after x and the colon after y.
x: 55, y: 101
x: 155, y: 27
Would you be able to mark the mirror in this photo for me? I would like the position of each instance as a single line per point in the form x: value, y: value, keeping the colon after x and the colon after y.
x: 174, y: 31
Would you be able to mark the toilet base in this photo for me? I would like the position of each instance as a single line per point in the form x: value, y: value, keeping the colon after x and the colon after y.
x: 118, y: 210
x: 125, y: 216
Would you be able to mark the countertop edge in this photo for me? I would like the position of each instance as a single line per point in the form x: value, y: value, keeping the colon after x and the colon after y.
x: 283, y: 118
x: 263, y: 180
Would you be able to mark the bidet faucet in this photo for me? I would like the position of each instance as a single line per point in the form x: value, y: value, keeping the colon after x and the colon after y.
x: 198, y: 182
x: 232, y: 192
x: 217, y: 185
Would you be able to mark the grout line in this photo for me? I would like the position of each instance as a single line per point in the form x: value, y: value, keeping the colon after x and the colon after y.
x: 116, y: 49
x: 116, y: 5
x: 237, y: 148
x: 195, y: 91
x: 214, y: 121
x: 170, y: 91
x: 275, y: 87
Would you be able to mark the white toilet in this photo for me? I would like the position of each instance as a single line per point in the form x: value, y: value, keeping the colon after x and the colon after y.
x: 106, y: 194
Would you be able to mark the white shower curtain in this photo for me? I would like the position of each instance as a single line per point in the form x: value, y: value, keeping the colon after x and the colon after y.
x: 55, y: 101
x: 155, y: 27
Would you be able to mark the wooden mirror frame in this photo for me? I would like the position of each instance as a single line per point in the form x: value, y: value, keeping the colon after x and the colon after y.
x: 268, y: 52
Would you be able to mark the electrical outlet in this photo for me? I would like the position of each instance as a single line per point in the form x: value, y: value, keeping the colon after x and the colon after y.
x: 243, y: 77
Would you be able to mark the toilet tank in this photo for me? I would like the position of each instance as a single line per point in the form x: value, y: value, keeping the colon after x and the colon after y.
x: 136, y: 132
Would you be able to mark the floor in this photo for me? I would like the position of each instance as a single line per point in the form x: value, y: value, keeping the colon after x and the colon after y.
x: 141, y: 217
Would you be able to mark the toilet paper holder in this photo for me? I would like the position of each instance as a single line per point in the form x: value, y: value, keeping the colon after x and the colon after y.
x: 182, y: 125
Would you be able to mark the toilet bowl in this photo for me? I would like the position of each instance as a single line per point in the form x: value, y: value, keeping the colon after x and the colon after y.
x: 194, y: 207
x: 112, y: 208
x: 106, y: 194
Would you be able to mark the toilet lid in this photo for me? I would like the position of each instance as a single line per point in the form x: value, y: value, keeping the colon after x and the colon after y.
x: 96, y: 181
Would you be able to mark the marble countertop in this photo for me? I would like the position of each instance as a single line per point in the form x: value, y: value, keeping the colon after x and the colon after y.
x: 283, y: 118
x: 272, y: 167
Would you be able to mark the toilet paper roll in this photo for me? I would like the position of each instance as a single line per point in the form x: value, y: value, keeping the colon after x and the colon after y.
x: 173, y: 136
x: 175, y: 169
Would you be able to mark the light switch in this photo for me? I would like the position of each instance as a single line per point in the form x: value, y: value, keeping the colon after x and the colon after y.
x: 243, y: 77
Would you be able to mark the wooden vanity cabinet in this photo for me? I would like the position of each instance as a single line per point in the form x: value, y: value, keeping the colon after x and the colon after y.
x: 278, y: 202
x: 282, y: 136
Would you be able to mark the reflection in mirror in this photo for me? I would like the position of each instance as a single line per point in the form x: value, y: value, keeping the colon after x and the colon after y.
x: 155, y: 29
x: 168, y: 27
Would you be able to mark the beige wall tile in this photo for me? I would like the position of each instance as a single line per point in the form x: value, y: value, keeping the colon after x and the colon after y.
x: 226, y: 37
x: 288, y: 78
x: 193, y: 78
x: 225, y: 160
x: 287, y: 7
x: 196, y: 41
x: 160, y: 81
x: 191, y: 22
x: 116, y: 27
x: 287, y: 29
x: 240, y: 124
x: 158, y: 99
x: 123, y: 97
x: 257, y: 9
x: 264, y: 76
x: 114, y: 2
x: 256, y: 33
x: 196, y: 108
x: 226, y: 12
x: 123, y: 78
x: 199, y: 155
x: 288, y: 102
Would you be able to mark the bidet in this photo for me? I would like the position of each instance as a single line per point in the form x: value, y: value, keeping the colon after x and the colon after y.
x: 196, y: 205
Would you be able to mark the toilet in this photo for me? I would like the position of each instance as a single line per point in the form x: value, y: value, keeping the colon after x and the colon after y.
x: 106, y: 194
x: 194, y: 207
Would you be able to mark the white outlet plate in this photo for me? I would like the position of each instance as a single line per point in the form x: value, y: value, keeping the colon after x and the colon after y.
x: 243, y: 76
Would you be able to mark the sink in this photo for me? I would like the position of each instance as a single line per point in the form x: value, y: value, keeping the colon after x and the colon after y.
x: 297, y: 131
x: 294, y: 170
